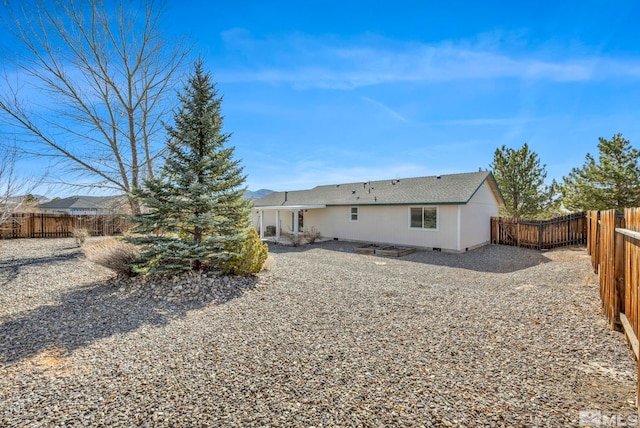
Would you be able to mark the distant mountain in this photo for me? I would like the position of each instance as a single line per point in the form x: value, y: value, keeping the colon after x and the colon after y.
x: 257, y: 194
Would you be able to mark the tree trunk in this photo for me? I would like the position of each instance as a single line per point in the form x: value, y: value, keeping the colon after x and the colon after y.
x: 134, y: 204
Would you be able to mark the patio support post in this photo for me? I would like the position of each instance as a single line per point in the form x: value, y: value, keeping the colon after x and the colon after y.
x: 261, y: 214
x: 277, y: 224
x: 295, y: 222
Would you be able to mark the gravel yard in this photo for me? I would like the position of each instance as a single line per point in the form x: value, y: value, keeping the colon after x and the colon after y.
x: 498, y: 336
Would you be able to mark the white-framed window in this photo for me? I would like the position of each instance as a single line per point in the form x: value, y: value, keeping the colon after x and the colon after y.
x: 354, y: 214
x: 423, y: 218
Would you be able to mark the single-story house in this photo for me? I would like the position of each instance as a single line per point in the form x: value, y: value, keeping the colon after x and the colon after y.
x: 445, y: 212
x: 87, y: 205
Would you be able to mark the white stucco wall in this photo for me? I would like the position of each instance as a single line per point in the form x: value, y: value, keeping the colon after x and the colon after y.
x: 384, y: 224
x: 476, y: 218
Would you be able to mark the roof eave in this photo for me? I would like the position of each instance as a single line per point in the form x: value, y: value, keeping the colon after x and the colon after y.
x: 493, y: 186
x: 403, y: 204
x: 290, y: 207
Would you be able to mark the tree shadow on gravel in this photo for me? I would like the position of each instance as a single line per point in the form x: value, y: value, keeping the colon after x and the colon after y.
x: 91, y: 313
x: 10, y: 268
x: 489, y: 258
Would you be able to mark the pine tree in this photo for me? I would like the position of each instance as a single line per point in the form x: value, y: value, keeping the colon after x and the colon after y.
x: 196, y: 209
x: 520, y: 177
x: 610, y: 182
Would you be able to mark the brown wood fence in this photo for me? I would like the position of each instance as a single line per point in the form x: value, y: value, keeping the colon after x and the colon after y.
x: 614, y: 246
x: 540, y: 234
x: 41, y: 225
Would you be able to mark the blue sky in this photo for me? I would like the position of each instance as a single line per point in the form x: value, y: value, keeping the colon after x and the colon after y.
x: 326, y: 92
x: 330, y: 92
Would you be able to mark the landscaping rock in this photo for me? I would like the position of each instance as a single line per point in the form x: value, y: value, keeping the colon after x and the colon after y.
x: 498, y: 336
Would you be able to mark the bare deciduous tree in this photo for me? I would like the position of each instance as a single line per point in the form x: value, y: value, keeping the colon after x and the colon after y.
x: 7, y: 184
x: 13, y: 187
x: 97, y: 76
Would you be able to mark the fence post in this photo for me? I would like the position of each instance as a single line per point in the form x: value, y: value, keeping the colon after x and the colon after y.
x: 493, y: 230
x: 539, y: 235
x: 14, y: 225
x: 597, y: 242
x: 619, y: 269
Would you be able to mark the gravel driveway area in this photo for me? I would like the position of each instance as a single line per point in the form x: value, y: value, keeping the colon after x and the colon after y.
x: 498, y: 336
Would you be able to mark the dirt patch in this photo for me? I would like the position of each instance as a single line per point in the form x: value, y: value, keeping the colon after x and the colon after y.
x: 51, y: 362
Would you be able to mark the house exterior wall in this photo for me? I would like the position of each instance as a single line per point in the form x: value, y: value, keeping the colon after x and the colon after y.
x: 476, y: 216
x: 384, y: 224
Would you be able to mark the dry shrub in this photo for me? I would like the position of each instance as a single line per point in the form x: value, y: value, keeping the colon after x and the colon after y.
x: 112, y: 253
x: 294, y: 239
x: 311, y: 235
x: 269, y: 263
x: 80, y: 235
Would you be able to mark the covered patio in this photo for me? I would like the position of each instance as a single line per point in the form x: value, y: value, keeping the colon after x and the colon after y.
x: 294, y: 210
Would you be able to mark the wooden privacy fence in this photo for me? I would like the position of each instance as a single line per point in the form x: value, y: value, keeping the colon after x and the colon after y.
x: 614, y: 246
x: 41, y: 225
x: 540, y: 234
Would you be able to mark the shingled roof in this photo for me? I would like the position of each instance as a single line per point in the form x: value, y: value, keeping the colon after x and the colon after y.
x: 432, y: 190
x: 83, y: 203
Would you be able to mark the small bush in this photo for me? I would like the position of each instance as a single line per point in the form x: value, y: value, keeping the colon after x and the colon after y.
x: 113, y: 254
x: 248, y: 256
x: 80, y: 235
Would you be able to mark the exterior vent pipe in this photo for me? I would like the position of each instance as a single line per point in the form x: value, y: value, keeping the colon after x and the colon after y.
x: 286, y: 194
